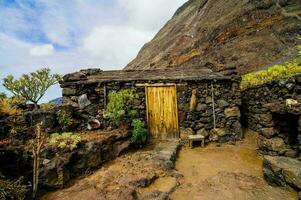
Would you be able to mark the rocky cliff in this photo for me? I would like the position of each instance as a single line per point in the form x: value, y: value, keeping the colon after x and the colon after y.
x: 247, y: 34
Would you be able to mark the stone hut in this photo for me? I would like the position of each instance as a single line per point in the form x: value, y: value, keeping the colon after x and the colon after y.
x: 196, y: 99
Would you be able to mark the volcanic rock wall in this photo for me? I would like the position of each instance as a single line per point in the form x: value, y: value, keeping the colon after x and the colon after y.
x: 274, y: 111
x: 227, y: 101
x: 95, y: 96
x: 57, y: 168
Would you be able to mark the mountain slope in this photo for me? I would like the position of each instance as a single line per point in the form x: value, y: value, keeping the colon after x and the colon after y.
x: 219, y: 34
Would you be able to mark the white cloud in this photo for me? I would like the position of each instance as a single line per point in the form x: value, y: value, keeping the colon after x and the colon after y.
x: 150, y: 15
x: 56, y: 26
x: 87, y: 33
x: 42, y: 50
x: 115, y: 45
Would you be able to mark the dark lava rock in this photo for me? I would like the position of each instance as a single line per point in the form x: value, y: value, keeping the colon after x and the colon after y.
x: 282, y: 171
x: 274, y: 144
x: 269, y: 132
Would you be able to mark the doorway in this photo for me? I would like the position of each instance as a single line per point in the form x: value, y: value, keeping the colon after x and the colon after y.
x: 162, y: 112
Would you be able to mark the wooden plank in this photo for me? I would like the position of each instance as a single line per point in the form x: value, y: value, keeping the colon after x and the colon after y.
x: 162, y: 112
x: 176, y: 122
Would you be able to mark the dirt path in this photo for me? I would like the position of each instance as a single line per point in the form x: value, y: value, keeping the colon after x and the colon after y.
x: 226, y: 172
x: 127, y: 177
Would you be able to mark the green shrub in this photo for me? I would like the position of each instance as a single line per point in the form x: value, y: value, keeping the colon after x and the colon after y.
x: 139, y: 133
x: 63, y: 118
x: 2, y: 95
x: 12, y: 189
x: 276, y: 72
x: 64, y: 141
x: 133, y: 114
x: 120, y: 103
x: 47, y: 106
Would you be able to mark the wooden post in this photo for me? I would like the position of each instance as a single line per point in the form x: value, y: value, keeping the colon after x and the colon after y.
x: 37, y: 146
x: 213, y: 106
x: 104, y: 96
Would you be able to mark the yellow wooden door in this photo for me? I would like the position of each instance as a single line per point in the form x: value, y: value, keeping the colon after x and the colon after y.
x: 162, y: 112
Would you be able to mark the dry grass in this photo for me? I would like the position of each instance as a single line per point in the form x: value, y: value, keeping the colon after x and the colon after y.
x: 8, y: 106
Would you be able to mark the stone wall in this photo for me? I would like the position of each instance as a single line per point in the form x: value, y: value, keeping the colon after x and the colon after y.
x: 57, y: 168
x: 89, y: 101
x: 226, y: 96
x: 89, y: 98
x: 274, y: 111
x: 21, y: 127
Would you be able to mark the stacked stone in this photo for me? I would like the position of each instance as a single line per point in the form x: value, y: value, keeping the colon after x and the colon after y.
x: 201, y: 120
x: 266, y: 110
x: 89, y: 100
x: 57, y: 170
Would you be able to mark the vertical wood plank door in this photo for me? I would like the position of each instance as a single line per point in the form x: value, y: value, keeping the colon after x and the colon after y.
x: 162, y: 112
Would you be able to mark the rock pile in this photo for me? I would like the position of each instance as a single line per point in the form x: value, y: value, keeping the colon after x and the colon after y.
x: 282, y: 171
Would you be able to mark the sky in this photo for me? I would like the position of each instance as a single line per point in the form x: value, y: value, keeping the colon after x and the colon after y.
x: 69, y: 35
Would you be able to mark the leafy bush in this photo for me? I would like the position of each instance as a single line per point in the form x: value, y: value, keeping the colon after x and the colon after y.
x: 63, y: 118
x: 273, y: 73
x: 120, y: 103
x: 64, y: 141
x: 12, y: 189
x: 9, y: 105
x: 140, y: 134
x: 47, y: 106
x: 2, y: 95
x: 133, y: 114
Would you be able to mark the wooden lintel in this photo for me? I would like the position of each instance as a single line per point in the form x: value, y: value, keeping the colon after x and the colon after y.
x: 159, y: 84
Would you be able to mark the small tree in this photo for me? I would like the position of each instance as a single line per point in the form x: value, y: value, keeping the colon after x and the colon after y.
x: 32, y: 86
x: 38, y: 145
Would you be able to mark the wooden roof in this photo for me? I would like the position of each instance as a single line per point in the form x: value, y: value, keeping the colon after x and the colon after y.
x: 170, y: 74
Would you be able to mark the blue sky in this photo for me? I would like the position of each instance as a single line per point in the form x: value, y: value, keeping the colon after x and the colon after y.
x: 68, y: 35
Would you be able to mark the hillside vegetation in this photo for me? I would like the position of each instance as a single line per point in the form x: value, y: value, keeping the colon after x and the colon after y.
x: 273, y: 73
